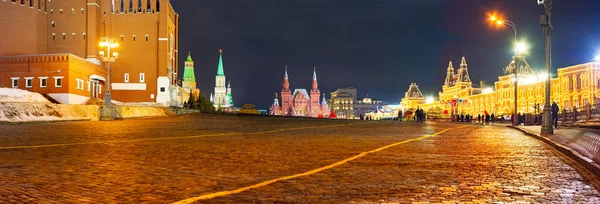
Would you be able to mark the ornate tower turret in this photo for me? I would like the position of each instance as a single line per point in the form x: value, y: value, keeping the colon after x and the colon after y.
x: 189, y: 78
x: 220, y: 97
x: 286, y: 96
x: 449, y: 75
x: 463, y: 73
x: 314, y: 96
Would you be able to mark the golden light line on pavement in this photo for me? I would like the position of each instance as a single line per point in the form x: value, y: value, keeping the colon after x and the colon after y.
x: 264, y: 183
x: 182, y: 137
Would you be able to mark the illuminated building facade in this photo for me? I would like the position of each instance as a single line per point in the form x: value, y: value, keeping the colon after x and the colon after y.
x: 59, y: 39
x: 574, y: 86
x: 300, y: 102
x: 222, y: 96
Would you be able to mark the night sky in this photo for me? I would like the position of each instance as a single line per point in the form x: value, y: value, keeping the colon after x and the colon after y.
x: 377, y: 46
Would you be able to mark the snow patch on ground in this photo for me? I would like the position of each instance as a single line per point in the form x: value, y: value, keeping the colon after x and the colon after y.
x: 22, y: 96
x: 28, y: 112
x: 18, y: 105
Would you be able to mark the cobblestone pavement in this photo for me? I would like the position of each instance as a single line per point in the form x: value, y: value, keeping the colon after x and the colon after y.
x: 164, y: 160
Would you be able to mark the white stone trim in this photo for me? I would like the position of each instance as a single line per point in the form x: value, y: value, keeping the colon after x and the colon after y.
x: 163, y: 39
x: 91, y: 4
x: 129, y: 86
x: 41, y: 84
x: 56, y: 78
x: 28, y: 79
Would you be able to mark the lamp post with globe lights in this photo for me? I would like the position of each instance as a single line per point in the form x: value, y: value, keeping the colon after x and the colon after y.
x: 108, y: 57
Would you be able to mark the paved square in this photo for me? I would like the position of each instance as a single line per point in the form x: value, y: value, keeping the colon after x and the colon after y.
x: 165, y: 160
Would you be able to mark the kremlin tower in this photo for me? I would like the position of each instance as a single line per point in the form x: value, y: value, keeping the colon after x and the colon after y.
x: 222, y: 95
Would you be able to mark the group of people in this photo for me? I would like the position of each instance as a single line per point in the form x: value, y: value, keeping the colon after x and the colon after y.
x: 485, y: 118
x: 419, y: 115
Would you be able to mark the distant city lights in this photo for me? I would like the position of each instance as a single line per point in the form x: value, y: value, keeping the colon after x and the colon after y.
x: 487, y: 90
x: 429, y: 99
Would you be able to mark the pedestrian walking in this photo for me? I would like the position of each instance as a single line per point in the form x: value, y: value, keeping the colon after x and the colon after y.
x: 478, y: 118
x: 555, y: 114
x: 493, y: 118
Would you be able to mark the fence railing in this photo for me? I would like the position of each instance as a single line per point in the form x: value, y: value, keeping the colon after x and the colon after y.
x: 586, y: 113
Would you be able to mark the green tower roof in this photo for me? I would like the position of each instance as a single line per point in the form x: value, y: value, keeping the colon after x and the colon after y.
x: 220, y: 71
x: 189, y: 58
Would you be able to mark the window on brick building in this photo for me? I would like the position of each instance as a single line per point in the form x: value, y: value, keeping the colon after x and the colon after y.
x: 31, y: 3
x: 146, y: 37
x: 58, y: 82
x: 126, y: 77
x: 142, y: 77
x: 73, y: 36
x: 60, y: 11
x: 15, y: 81
x: 82, y: 11
x: 51, y: 11
x: 84, y: 36
x: 130, y: 6
x: 53, y: 36
x: 72, y: 10
x: 40, y: 4
x: 53, y: 24
x: 28, y: 82
x: 133, y: 37
x: 121, y: 7
x: 43, y: 82
x: 22, y: 2
x: 64, y: 36
x: 122, y: 38
x: 157, y: 5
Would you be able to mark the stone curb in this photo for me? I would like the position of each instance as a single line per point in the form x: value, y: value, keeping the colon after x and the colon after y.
x: 40, y: 122
x: 589, y: 164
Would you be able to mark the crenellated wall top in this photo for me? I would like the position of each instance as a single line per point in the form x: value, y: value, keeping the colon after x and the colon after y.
x: 45, y: 58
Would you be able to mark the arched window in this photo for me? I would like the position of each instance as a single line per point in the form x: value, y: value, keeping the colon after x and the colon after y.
x: 31, y: 3
x: 130, y: 6
x: 139, y: 5
x: 146, y: 37
x: 148, y: 5
x: 72, y: 10
x: 82, y: 10
x: 53, y: 24
x: 64, y: 36
x: 51, y: 11
x: 60, y: 11
x: 84, y: 36
x: 53, y: 36
x: 73, y: 36
x: 157, y: 5
x: 122, y: 7
x: 122, y: 38
x: 133, y: 37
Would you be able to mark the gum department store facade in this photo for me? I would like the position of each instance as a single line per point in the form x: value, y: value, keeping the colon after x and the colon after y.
x: 52, y: 47
x: 575, y: 86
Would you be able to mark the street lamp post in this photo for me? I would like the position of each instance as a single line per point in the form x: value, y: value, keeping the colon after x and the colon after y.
x: 547, y: 26
x: 516, y: 60
x: 108, y: 57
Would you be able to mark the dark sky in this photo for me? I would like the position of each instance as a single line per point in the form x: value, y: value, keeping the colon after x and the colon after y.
x: 377, y: 46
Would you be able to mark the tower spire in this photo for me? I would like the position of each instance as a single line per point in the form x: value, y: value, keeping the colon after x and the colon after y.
x: 286, y: 83
x: 220, y: 71
x: 189, y: 57
x: 449, y: 75
x: 315, y: 85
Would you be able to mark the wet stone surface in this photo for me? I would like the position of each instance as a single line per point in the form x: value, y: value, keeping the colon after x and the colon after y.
x: 163, y: 160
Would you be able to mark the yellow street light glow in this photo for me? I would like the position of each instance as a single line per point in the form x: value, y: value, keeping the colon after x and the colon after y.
x: 499, y: 22
x: 493, y: 18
